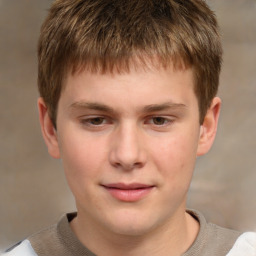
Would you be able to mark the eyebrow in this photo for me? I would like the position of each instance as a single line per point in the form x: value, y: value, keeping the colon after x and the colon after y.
x: 104, y: 108
x: 164, y: 106
x: 92, y: 106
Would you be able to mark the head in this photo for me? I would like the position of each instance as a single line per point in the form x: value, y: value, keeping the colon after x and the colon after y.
x: 127, y: 101
x: 113, y: 36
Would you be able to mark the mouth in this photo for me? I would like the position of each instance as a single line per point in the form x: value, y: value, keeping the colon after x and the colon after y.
x: 128, y: 192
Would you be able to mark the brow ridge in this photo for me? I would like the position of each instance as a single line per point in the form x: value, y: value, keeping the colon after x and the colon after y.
x: 92, y: 106
x: 148, y: 108
x: 164, y: 106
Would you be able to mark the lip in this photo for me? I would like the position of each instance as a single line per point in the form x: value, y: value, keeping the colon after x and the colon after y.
x: 128, y: 192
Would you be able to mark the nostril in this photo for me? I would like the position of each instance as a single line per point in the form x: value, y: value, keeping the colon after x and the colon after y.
x: 128, y: 167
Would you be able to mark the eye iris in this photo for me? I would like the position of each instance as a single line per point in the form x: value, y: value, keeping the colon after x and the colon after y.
x: 97, y: 121
x: 158, y: 120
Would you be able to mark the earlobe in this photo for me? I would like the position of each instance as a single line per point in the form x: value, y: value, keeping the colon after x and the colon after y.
x: 209, y: 127
x: 48, y: 129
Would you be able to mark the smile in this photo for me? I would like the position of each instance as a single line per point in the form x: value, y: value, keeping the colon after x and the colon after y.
x: 128, y: 192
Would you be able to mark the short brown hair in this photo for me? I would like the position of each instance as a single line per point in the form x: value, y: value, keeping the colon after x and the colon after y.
x: 111, y: 35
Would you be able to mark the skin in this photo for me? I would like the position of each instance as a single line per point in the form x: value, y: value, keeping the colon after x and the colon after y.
x: 137, y: 127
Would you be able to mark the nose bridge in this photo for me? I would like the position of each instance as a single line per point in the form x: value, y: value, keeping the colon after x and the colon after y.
x: 127, y: 150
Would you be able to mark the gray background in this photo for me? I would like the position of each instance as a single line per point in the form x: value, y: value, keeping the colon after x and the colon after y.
x: 33, y: 191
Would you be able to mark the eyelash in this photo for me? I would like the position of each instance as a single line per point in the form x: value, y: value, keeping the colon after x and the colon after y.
x: 166, y: 121
x: 89, y: 121
x: 101, y: 121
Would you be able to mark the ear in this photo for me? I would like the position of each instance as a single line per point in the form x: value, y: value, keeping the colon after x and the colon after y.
x: 48, y: 130
x: 209, y: 127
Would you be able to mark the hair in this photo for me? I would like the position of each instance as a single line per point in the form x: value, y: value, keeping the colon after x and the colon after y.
x: 112, y: 35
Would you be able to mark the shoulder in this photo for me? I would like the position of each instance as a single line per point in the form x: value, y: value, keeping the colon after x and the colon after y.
x: 244, y: 245
x: 221, y: 235
x: 212, y: 239
x: 57, y: 239
x: 23, y: 248
x: 32, y: 246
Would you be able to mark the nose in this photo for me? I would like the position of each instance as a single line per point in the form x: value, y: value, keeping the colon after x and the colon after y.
x: 127, y: 150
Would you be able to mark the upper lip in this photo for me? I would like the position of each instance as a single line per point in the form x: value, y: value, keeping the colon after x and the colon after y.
x: 125, y: 186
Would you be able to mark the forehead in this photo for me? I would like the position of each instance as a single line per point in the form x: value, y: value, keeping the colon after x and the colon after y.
x: 136, y: 67
x: 136, y: 63
x: 143, y: 85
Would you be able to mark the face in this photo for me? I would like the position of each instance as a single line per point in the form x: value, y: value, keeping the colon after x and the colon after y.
x: 128, y: 143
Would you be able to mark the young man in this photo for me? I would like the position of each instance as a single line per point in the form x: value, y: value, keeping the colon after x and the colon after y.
x: 128, y: 101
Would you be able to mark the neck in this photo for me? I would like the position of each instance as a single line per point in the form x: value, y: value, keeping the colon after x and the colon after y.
x: 174, y: 237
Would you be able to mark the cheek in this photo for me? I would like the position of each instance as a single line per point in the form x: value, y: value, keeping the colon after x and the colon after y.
x: 175, y: 158
x: 81, y: 161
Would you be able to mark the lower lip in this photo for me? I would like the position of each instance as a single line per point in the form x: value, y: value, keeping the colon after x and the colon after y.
x: 129, y: 195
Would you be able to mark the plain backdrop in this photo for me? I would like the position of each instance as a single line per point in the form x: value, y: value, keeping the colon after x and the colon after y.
x: 33, y: 190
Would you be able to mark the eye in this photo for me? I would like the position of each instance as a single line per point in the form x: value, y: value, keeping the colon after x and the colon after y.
x: 159, y: 120
x: 94, y: 121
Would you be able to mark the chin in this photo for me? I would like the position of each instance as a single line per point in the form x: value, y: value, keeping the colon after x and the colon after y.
x: 132, y: 230
x: 131, y: 224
